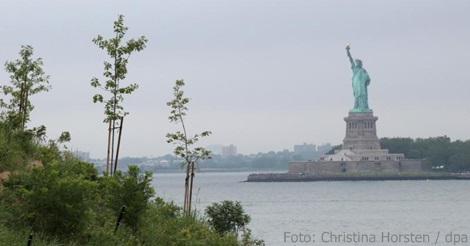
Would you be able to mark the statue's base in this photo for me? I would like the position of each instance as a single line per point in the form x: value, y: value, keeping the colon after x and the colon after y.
x: 361, y: 132
x: 361, y: 154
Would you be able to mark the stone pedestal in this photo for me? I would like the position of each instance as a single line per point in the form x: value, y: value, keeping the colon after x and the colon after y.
x: 361, y: 152
x: 361, y: 132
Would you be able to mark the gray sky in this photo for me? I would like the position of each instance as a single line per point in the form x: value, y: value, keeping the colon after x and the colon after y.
x: 262, y: 75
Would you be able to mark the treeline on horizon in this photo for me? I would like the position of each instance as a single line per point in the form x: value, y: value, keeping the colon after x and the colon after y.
x: 452, y: 156
x: 268, y: 160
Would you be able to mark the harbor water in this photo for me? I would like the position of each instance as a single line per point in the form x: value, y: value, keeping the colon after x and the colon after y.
x: 336, y: 213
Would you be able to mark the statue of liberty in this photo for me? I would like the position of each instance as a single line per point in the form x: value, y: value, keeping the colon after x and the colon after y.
x: 360, y: 81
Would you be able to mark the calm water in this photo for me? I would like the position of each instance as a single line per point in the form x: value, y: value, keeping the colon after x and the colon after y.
x: 337, y: 213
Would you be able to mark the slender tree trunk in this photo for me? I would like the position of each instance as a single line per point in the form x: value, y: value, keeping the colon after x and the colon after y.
x: 118, y: 145
x: 25, y: 110
x: 113, y: 130
x: 186, y: 181
x: 191, y: 188
x: 109, y: 149
x: 21, y: 105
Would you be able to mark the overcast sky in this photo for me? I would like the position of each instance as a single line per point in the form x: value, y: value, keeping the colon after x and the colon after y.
x: 261, y: 74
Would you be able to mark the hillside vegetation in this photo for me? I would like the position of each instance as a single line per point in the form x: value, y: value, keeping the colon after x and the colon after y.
x: 62, y: 200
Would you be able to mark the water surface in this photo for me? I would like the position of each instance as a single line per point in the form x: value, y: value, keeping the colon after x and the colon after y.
x: 328, y: 213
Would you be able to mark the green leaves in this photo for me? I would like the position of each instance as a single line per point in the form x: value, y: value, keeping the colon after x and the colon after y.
x: 97, y: 98
x: 116, y: 70
x: 227, y: 216
x: 56, y: 199
x: 132, y: 189
x: 27, y: 78
x: 64, y: 137
x: 178, y: 103
x: 181, y: 138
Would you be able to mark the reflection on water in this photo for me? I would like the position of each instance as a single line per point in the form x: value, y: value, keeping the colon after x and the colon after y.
x: 280, y: 211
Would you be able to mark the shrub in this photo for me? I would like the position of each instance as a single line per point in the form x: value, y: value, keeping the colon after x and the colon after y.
x: 227, y: 216
x: 133, y: 190
x: 56, y: 199
x: 165, y: 224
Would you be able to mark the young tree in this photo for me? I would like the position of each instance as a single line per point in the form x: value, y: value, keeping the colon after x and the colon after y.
x: 27, y: 78
x: 227, y: 216
x: 183, y: 141
x: 115, y: 72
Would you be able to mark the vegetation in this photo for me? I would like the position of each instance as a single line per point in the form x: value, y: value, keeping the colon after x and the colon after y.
x: 115, y: 72
x: 269, y: 160
x: 27, y: 78
x: 183, y: 141
x: 227, y: 216
x: 453, y: 156
x: 66, y: 202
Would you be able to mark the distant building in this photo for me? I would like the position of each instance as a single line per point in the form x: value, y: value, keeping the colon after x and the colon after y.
x: 322, y: 149
x: 230, y: 150
x: 306, y: 151
x: 84, y: 156
x: 305, y: 148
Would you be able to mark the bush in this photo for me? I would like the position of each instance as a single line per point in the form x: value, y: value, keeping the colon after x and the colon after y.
x: 165, y: 224
x: 56, y: 199
x: 227, y: 216
x: 132, y: 190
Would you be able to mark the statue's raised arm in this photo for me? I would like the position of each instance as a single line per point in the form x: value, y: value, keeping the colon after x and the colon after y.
x: 360, y: 81
x: 349, y: 55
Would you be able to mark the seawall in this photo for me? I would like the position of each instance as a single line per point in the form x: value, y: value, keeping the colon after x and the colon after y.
x: 287, y: 177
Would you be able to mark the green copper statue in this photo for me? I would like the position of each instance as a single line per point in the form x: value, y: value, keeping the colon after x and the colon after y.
x: 360, y: 81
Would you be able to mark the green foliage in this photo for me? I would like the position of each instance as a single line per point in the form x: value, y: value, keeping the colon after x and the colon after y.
x: 18, y: 146
x: 227, y: 217
x: 438, y: 151
x: 27, y: 78
x: 248, y: 240
x: 67, y: 203
x: 165, y: 224
x: 50, y: 151
x: 57, y: 199
x: 64, y: 137
x: 182, y: 139
x: 459, y: 160
x: 67, y: 200
x: 132, y: 190
x: 18, y: 237
x: 116, y: 71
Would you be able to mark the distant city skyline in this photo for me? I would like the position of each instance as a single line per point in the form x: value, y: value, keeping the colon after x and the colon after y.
x: 261, y: 75
x: 229, y: 150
